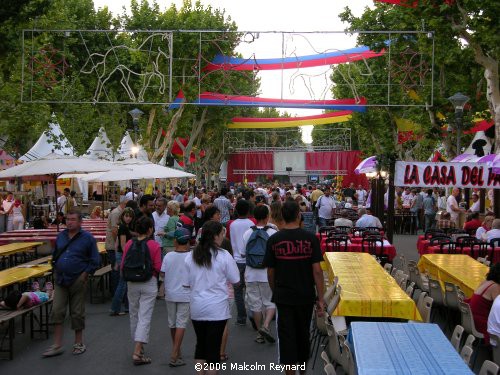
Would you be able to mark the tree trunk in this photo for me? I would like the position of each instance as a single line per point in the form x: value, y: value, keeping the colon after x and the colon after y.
x: 167, y: 140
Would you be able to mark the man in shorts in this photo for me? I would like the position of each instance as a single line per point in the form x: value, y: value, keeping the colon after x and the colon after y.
x: 258, y: 292
x: 176, y: 296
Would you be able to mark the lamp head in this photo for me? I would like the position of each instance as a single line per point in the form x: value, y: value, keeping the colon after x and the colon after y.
x: 458, y: 101
x: 136, y: 114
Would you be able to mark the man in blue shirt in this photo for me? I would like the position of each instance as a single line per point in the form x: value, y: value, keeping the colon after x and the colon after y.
x: 75, y: 257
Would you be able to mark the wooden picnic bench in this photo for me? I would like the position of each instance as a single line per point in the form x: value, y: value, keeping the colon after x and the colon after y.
x: 38, y: 324
x: 11, y: 250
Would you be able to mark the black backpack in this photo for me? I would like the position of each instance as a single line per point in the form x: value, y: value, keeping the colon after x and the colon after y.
x: 137, y: 265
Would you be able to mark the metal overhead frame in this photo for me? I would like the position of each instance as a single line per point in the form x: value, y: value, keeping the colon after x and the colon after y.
x: 51, y: 75
x: 270, y: 140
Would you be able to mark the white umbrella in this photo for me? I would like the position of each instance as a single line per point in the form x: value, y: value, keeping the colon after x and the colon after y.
x: 54, y: 165
x: 137, y: 170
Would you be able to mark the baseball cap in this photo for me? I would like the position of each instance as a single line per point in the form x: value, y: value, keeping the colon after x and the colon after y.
x: 182, y: 236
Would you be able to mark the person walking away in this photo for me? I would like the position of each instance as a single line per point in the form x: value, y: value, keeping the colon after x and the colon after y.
x: 224, y: 206
x: 17, y: 215
x: 237, y: 228
x: 167, y: 243
x: 293, y: 259
x: 258, y: 292
x: 207, y: 271
x: 75, y: 257
x: 141, y: 265
x: 325, y: 206
x: 361, y: 194
x: 430, y: 208
x: 111, y: 238
x: 176, y: 296
x: 186, y: 220
x: 124, y: 235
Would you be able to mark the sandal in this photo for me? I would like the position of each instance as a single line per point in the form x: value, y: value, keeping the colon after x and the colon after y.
x: 176, y: 363
x: 224, y: 357
x: 53, y: 351
x: 141, y: 359
x: 79, y: 348
x: 260, y: 340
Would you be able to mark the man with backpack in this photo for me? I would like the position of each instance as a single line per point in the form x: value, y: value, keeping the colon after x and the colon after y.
x: 258, y: 292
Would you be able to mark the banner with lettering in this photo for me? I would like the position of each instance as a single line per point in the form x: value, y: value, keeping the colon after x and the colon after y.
x: 428, y: 174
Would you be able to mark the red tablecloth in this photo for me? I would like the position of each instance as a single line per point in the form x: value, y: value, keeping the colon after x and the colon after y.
x: 388, y: 250
x: 466, y: 250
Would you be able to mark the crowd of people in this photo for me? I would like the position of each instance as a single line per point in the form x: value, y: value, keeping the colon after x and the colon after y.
x: 204, y: 252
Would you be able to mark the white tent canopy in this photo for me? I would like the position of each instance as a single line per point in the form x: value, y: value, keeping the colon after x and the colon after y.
x: 125, y: 149
x: 52, y: 140
x: 138, y: 170
x: 100, y: 148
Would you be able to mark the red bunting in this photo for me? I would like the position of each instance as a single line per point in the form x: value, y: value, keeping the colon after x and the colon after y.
x: 176, y: 149
x: 404, y: 137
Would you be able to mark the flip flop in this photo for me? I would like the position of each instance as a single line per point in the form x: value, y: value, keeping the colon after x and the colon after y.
x: 79, y: 349
x: 224, y: 357
x: 53, y: 351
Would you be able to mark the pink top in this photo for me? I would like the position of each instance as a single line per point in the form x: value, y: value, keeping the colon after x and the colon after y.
x: 154, y: 252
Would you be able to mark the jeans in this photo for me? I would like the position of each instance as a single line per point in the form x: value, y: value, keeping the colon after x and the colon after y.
x: 430, y: 221
x: 114, y: 275
x: 121, y: 288
x: 322, y: 222
x: 239, y: 294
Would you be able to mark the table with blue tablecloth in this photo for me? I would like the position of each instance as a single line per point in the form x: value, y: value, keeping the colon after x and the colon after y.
x: 403, y: 348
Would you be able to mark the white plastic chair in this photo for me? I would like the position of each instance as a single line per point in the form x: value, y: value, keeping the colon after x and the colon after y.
x: 489, y: 368
x: 456, y: 337
x: 466, y: 354
x: 424, y: 306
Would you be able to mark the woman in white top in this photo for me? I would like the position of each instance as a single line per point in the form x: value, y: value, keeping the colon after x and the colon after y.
x: 207, y: 272
x: 17, y: 215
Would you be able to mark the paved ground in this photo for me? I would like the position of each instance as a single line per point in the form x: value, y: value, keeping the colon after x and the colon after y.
x: 110, y: 346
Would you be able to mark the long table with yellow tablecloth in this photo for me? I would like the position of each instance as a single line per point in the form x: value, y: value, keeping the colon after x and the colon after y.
x: 18, y: 247
x: 21, y: 274
x: 367, y: 289
x: 458, y: 269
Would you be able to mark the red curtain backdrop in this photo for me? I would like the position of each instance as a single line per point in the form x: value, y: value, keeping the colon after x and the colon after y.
x: 250, y: 161
x: 347, y: 160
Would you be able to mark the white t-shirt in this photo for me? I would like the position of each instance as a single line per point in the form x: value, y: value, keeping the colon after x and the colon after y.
x: 237, y: 230
x: 6, y: 205
x: 326, y: 206
x: 197, y: 202
x: 208, y: 286
x: 492, y: 233
x: 368, y: 221
x: 452, y: 202
x: 481, y: 233
x: 361, y: 196
x: 160, y: 222
x: 174, y: 267
x: 62, y: 204
x: 131, y: 196
x: 255, y: 274
x: 494, y: 320
x: 475, y: 207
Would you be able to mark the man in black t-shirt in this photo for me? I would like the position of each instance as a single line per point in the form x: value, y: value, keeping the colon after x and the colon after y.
x: 293, y: 259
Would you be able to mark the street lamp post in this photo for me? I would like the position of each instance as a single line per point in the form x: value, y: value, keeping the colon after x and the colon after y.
x: 458, y: 101
x: 136, y: 115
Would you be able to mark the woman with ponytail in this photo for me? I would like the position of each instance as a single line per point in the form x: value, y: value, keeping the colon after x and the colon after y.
x: 207, y: 272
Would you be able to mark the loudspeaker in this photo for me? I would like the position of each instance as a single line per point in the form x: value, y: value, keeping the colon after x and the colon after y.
x: 288, y: 169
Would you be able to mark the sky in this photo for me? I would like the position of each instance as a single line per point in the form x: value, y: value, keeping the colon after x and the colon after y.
x: 288, y: 16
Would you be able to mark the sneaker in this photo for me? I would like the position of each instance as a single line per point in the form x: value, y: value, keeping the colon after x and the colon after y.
x: 264, y: 332
x: 259, y: 339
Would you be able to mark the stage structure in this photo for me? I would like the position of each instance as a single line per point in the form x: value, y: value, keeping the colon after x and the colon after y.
x: 150, y: 67
x: 280, y: 154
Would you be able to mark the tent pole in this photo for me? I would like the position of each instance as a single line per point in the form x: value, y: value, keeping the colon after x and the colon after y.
x: 102, y: 200
x: 55, y: 197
